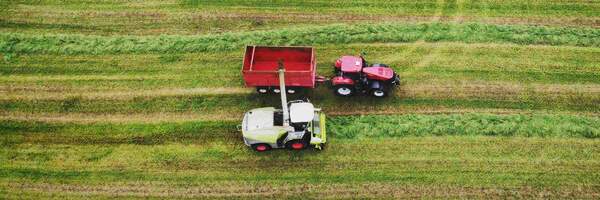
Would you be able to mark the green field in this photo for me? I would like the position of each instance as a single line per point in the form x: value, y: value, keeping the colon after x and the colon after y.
x: 141, y: 99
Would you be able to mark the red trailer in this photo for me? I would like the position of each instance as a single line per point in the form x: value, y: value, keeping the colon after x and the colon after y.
x: 262, y: 62
x: 352, y: 73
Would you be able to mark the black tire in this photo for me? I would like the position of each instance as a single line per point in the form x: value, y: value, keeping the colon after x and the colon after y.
x: 261, y: 147
x: 322, y: 147
x: 275, y: 90
x: 262, y: 90
x: 344, y: 90
x: 296, y: 145
x: 379, y: 93
x: 293, y: 90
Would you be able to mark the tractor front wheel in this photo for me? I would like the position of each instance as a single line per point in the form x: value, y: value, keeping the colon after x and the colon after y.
x: 344, y: 90
x: 261, y: 147
x: 296, y: 145
x: 379, y: 93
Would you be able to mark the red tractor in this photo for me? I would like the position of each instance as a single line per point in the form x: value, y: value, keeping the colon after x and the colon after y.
x: 353, y: 74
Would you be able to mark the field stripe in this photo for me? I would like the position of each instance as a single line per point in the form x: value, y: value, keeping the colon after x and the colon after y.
x: 335, y: 191
x: 154, y: 117
x: 121, y: 95
x: 458, y: 90
x: 236, y: 115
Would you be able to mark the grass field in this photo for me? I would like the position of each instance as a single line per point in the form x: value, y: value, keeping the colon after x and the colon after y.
x: 140, y: 99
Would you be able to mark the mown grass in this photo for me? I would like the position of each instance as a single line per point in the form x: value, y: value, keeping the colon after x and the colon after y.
x: 419, y: 8
x: 109, y: 99
x: 15, y: 43
x: 235, y: 104
x: 15, y: 132
x: 200, y: 17
x: 339, y: 127
x: 427, y: 162
x: 466, y: 124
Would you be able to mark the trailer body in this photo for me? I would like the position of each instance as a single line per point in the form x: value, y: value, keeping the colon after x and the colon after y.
x: 260, y: 66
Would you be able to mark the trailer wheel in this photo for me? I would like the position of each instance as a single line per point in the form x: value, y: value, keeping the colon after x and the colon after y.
x: 344, y: 90
x: 262, y: 90
x: 276, y: 90
x: 261, y: 147
x: 292, y: 90
x: 378, y: 93
x: 296, y: 145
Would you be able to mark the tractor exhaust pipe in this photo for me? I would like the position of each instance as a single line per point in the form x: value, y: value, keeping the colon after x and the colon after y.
x: 283, y: 91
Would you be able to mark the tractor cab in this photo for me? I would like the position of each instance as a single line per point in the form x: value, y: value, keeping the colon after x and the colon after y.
x: 350, y: 64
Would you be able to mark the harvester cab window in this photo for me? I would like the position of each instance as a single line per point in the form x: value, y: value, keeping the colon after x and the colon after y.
x: 278, y: 118
x: 300, y: 126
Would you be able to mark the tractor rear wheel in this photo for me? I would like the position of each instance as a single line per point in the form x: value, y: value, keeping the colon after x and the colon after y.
x: 344, y: 90
x: 296, y: 145
x: 261, y: 147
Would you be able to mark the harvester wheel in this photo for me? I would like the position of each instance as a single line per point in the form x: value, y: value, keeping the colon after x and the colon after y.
x: 296, y: 144
x: 344, y: 90
x: 261, y: 147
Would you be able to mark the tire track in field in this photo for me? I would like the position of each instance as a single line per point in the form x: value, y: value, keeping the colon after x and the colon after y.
x: 33, y: 78
x: 154, y: 117
x: 457, y: 17
x: 465, y: 89
x: 122, y: 95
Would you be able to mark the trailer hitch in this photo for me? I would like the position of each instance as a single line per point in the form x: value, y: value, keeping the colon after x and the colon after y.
x: 321, y: 79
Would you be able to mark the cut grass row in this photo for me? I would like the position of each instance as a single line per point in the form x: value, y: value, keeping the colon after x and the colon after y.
x: 199, y: 17
x: 377, y: 164
x: 16, y: 43
x: 15, y: 132
x: 556, y: 98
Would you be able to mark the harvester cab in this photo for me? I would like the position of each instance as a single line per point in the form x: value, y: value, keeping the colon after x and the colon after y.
x: 353, y: 74
x: 297, y: 125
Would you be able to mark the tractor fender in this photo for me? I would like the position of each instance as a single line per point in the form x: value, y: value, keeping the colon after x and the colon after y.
x: 339, y: 80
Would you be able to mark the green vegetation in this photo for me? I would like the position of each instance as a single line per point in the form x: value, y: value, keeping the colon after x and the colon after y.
x: 467, y: 124
x: 341, y: 127
x: 141, y: 99
x: 333, y: 34
x: 369, y: 168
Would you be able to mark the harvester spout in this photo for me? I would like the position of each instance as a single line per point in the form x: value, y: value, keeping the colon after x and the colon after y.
x: 283, y: 91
